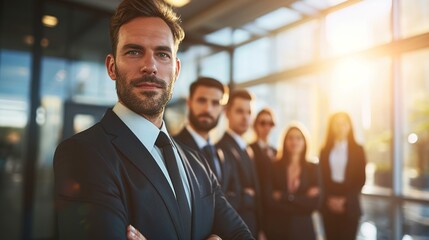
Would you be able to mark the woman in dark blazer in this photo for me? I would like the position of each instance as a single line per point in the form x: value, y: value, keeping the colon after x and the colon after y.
x: 263, y: 153
x: 342, y: 162
x: 292, y: 195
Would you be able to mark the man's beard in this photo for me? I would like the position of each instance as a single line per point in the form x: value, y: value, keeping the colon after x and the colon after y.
x: 203, y: 126
x: 149, y: 106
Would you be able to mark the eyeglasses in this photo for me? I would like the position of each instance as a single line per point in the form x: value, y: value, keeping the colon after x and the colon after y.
x: 266, y: 123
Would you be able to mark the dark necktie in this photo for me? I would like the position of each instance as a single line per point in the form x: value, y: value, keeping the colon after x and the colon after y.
x: 164, y: 143
x: 210, y: 152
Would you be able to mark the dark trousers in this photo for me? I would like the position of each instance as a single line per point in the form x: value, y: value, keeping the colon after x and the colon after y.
x: 340, y: 226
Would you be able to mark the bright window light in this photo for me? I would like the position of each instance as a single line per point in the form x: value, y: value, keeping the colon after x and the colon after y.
x: 413, y: 138
x: 178, y: 3
x: 50, y: 21
x: 222, y: 37
x: 277, y: 18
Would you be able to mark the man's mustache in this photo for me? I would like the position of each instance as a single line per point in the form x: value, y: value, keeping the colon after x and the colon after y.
x: 205, y: 115
x: 149, y: 79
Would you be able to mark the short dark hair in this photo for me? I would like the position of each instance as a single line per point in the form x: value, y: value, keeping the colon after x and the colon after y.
x: 207, y: 82
x: 241, y: 93
x: 130, y: 9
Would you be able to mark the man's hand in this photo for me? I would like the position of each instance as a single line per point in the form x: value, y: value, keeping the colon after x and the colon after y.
x: 249, y: 191
x: 134, y: 234
x: 277, y: 195
x: 214, y: 237
x: 337, y: 204
x: 313, y: 191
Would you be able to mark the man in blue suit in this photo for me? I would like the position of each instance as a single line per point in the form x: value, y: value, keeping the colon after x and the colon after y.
x: 126, y: 170
x: 207, y: 97
x: 237, y: 151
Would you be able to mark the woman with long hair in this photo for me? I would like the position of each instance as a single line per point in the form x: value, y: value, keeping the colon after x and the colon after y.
x: 342, y: 162
x: 292, y: 194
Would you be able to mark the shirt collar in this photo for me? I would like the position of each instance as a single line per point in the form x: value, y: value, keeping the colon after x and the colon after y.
x: 144, y: 130
x: 241, y: 143
x: 201, y: 142
x: 341, y: 144
x: 262, y: 144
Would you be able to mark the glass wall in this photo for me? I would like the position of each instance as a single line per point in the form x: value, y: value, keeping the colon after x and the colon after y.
x: 72, y: 73
x: 358, y: 27
x: 15, y: 74
x: 414, y: 17
x: 415, y: 136
x: 297, y: 46
x: 74, y: 44
x: 253, y: 60
x: 416, y: 218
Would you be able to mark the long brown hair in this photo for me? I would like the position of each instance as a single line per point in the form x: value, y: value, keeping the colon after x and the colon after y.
x: 330, y: 135
x: 283, y: 153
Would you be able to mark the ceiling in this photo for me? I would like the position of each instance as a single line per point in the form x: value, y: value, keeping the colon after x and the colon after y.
x: 218, y: 24
x: 202, y: 17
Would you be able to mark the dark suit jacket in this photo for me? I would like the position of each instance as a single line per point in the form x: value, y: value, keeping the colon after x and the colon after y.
x: 353, y: 182
x: 262, y: 162
x: 247, y: 206
x: 105, y: 179
x: 290, y: 217
x: 227, y: 180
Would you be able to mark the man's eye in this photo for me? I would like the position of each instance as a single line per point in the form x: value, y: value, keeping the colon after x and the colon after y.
x: 133, y: 52
x: 201, y: 100
x: 163, y: 55
x: 216, y: 103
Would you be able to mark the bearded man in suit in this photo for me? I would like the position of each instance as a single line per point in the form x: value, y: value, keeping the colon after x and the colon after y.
x: 126, y: 170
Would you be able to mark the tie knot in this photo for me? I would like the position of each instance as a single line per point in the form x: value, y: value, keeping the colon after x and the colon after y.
x: 209, y: 148
x: 162, y: 140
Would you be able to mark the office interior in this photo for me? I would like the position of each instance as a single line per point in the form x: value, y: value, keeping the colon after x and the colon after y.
x: 302, y: 58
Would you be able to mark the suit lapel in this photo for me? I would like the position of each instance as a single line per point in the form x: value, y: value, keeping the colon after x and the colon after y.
x: 186, y: 137
x: 194, y: 187
x: 129, y: 145
x: 243, y: 160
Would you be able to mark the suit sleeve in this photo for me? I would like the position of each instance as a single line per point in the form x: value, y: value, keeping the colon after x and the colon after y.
x: 359, y: 177
x: 232, y: 190
x: 356, y: 182
x: 88, y: 203
x: 227, y: 223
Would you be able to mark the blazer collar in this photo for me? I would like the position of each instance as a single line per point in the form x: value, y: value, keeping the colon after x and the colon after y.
x: 200, y: 141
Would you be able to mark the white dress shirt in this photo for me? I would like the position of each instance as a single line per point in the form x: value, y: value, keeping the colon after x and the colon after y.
x: 147, y: 133
x: 338, y: 161
x: 238, y: 139
x: 201, y: 143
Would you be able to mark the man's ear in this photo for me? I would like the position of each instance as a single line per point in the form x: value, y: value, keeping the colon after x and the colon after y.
x: 178, y: 65
x: 111, y: 66
x: 188, y: 102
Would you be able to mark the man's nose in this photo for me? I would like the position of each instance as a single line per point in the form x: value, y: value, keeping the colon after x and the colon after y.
x: 149, y: 65
x: 208, y: 106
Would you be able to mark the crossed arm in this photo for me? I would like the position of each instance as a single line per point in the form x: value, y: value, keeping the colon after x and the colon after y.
x: 134, y: 234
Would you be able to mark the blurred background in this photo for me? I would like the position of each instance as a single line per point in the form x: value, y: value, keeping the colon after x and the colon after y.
x: 303, y: 58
